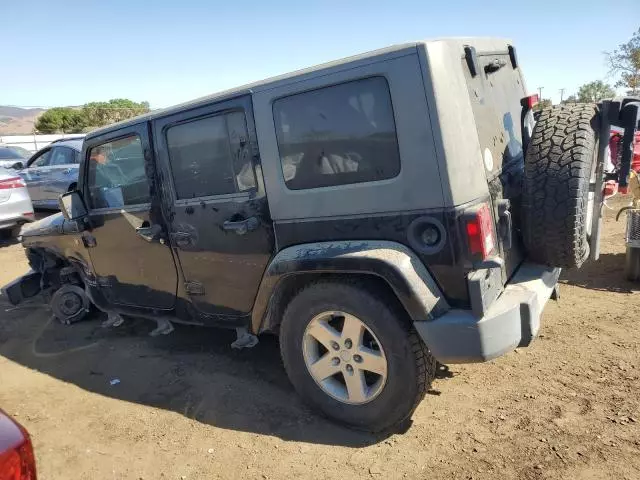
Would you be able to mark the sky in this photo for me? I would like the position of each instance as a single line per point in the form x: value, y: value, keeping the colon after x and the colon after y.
x: 58, y: 53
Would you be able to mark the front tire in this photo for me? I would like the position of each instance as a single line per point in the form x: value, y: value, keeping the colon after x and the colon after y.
x: 354, y: 356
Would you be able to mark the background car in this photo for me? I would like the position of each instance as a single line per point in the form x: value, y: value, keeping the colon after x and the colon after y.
x: 15, y: 204
x: 17, y: 461
x: 53, y: 171
x: 12, y: 157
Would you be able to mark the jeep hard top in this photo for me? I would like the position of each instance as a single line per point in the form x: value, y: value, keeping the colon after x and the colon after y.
x: 377, y: 213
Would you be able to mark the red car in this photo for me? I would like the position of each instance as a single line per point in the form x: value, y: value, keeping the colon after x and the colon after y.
x: 17, y: 461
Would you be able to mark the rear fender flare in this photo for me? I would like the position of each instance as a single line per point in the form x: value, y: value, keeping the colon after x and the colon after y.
x: 393, y: 262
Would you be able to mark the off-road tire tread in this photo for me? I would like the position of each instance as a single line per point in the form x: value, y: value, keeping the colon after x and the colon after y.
x: 558, y: 166
x: 632, y: 264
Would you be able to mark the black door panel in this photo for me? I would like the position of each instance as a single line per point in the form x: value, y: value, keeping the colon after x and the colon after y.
x: 220, y: 228
x: 131, y: 269
x: 227, y: 265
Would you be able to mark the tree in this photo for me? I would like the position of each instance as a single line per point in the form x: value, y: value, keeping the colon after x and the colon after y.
x: 97, y: 114
x: 570, y: 99
x: 625, y: 61
x: 595, y: 91
x: 89, y: 116
x: 60, y: 120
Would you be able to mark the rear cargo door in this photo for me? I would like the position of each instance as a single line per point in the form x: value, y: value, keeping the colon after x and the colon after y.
x: 495, y: 92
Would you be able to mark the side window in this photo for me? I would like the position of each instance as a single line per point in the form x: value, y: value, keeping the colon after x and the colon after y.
x: 210, y: 156
x: 117, y: 175
x: 62, y: 156
x: 42, y: 160
x: 337, y: 135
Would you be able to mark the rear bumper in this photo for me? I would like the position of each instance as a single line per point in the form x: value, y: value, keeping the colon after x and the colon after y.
x: 512, y: 320
x: 10, y: 222
x: 16, y: 208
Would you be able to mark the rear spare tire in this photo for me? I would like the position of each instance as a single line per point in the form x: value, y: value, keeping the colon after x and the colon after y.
x: 632, y: 264
x: 559, y: 167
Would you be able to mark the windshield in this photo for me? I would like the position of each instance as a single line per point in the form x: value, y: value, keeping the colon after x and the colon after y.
x: 7, y: 153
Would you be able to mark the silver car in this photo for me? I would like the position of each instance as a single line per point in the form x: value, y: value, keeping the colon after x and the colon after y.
x: 15, y: 204
x: 53, y: 171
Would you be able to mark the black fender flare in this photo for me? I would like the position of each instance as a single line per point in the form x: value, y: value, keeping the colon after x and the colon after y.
x: 393, y: 262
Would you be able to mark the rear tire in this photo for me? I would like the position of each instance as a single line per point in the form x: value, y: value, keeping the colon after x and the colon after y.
x: 559, y: 167
x: 632, y: 264
x: 409, y: 370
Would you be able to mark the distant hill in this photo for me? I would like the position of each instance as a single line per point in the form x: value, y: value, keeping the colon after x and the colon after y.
x: 18, y: 121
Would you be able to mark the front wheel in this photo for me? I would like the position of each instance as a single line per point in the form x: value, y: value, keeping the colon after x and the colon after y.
x: 354, y: 356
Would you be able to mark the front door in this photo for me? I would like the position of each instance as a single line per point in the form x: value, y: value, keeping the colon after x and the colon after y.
x: 35, y: 174
x: 118, y: 174
x: 220, y: 228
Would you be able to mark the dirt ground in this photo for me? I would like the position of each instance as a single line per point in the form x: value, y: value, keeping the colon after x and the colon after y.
x: 188, y: 407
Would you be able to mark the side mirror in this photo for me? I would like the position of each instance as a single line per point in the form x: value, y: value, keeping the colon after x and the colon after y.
x: 17, y: 166
x: 72, y: 205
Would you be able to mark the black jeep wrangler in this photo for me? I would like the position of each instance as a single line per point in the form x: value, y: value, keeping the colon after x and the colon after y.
x: 377, y: 213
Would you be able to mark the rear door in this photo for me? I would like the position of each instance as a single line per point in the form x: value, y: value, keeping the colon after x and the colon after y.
x: 221, y: 229
x: 495, y: 93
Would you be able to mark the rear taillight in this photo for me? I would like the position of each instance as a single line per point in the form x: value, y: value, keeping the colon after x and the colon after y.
x: 9, y: 183
x: 530, y: 101
x: 481, y: 238
x: 18, y: 463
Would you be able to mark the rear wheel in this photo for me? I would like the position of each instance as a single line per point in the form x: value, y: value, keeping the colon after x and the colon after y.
x: 354, y: 357
x: 632, y: 264
x: 557, y: 202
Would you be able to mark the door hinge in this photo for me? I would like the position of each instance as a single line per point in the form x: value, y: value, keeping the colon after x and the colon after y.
x: 194, y: 288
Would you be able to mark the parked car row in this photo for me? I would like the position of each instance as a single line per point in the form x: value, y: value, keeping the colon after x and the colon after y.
x: 52, y: 171
x: 28, y: 181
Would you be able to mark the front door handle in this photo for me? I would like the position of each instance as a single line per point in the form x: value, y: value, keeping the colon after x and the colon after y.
x: 151, y: 233
x: 240, y: 227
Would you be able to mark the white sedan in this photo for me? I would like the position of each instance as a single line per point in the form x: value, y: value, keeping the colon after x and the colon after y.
x: 15, y: 203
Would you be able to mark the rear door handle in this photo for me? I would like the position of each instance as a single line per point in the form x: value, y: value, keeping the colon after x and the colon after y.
x: 151, y: 233
x: 241, y: 227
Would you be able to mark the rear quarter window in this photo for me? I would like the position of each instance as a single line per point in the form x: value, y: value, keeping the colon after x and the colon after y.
x: 337, y: 135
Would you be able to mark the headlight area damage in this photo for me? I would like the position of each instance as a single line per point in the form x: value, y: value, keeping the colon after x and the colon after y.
x: 54, y: 275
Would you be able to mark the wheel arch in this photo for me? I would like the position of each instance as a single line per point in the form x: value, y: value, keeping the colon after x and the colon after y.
x: 387, y: 264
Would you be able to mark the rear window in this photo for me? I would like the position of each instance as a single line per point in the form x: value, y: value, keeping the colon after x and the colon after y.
x: 9, y: 154
x: 209, y: 156
x: 337, y: 135
x: 495, y: 100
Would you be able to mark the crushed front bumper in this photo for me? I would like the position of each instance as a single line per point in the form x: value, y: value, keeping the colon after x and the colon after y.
x: 26, y: 286
x: 512, y: 320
